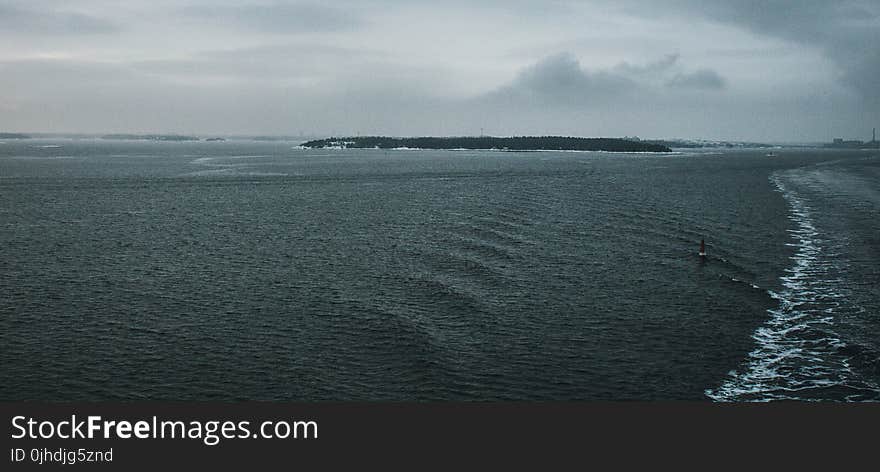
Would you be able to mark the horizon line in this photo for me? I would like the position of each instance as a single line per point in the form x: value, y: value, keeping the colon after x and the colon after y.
x: 358, y: 135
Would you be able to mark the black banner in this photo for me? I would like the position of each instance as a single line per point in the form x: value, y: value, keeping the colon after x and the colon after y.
x: 139, y: 436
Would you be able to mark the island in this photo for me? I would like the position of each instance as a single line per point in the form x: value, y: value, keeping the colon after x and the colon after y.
x: 700, y: 143
x: 516, y: 143
x: 151, y: 137
x: 13, y: 136
x: 215, y: 139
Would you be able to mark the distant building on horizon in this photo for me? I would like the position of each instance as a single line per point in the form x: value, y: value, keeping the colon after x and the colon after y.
x: 840, y: 143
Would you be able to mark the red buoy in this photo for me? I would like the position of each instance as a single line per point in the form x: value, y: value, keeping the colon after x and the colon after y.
x: 702, y: 248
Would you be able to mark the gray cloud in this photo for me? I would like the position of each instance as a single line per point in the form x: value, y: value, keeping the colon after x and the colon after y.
x: 53, y: 78
x: 846, y: 31
x: 279, y: 17
x: 559, y: 80
x: 703, y: 79
x: 757, y: 70
x: 279, y: 61
x: 657, y: 67
x: 24, y: 20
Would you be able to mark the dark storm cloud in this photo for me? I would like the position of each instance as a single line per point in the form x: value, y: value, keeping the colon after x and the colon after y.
x: 846, y: 31
x: 279, y: 17
x: 703, y: 79
x: 23, y: 20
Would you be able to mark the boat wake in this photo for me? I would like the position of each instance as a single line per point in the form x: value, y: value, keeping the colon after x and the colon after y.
x: 799, y: 356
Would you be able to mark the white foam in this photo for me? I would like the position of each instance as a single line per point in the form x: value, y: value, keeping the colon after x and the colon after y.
x: 797, y: 350
x: 210, y: 159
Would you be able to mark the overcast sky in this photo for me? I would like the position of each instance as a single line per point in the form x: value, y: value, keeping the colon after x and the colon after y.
x: 784, y: 70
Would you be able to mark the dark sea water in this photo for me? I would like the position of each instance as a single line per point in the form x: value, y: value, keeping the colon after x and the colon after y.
x: 247, y: 270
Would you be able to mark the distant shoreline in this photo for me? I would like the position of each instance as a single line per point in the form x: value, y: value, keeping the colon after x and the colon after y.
x: 518, y: 143
x: 150, y: 137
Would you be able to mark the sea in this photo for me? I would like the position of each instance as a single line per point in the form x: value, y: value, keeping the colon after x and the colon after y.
x: 255, y: 270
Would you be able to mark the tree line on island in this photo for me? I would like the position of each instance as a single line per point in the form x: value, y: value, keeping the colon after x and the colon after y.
x: 516, y: 143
